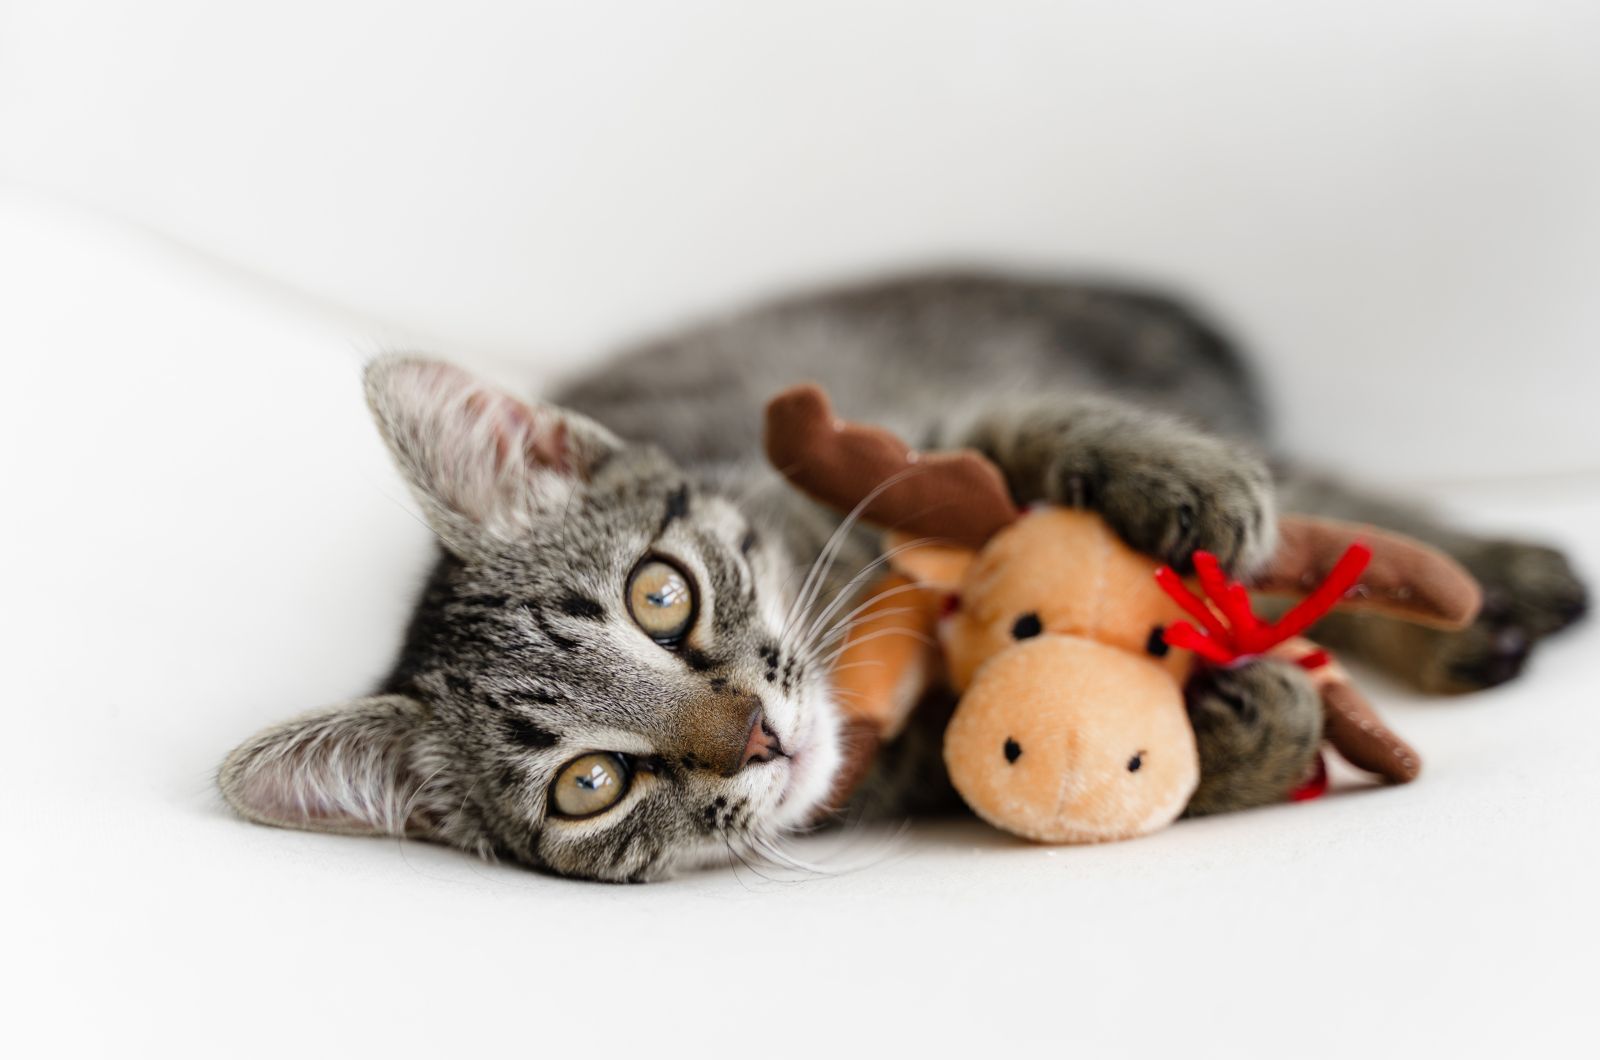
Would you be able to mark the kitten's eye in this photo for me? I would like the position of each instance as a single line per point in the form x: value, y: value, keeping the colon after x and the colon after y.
x: 589, y: 785
x: 662, y: 601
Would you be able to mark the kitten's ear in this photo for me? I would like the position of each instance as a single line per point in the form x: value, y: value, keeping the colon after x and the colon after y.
x: 481, y: 462
x: 345, y: 770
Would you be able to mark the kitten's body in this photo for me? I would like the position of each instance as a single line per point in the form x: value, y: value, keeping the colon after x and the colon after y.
x: 917, y: 355
x: 522, y: 655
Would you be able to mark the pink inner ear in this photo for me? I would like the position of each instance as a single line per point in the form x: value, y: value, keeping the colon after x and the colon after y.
x: 475, y: 452
x: 516, y: 431
x: 274, y: 796
x: 551, y: 449
x: 509, y: 422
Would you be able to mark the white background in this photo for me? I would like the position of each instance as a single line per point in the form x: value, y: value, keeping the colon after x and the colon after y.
x: 1396, y: 204
x: 210, y: 214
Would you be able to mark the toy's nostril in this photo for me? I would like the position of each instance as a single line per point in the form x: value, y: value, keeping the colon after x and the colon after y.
x: 1026, y: 626
x: 1136, y: 762
x: 1013, y: 750
x: 1157, y: 644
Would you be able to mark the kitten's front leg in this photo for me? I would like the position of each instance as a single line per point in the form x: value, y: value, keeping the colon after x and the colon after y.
x: 1257, y: 727
x: 1165, y: 488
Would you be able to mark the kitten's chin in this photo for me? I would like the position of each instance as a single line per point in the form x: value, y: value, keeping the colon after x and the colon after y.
x: 814, y: 764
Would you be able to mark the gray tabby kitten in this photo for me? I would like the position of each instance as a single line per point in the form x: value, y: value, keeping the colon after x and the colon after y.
x: 618, y: 668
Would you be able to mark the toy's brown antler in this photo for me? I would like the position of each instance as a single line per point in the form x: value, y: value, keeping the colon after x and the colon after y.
x: 1405, y: 578
x: 957, y: 496
x: 1359, y: 734
x: 1349, y: 721
x: 962, y: 498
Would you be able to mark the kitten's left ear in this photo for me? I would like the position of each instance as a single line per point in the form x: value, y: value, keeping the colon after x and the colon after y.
x: 349, y: 770
x: 482, y: 463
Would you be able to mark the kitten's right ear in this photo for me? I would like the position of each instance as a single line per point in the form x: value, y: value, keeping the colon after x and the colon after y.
x: 482, y: 463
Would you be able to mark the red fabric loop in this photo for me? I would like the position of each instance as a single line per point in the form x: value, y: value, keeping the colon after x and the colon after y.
x: 1231, y: 630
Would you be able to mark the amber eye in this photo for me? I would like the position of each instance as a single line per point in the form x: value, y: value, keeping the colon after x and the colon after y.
x: 661, y: 599
x: 589, y: 785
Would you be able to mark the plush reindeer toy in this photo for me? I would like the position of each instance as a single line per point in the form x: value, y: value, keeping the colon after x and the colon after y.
x: 1071, y: 652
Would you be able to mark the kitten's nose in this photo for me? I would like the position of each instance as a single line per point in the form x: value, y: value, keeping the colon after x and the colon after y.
x: 762, y: 744
x: 725, y: 733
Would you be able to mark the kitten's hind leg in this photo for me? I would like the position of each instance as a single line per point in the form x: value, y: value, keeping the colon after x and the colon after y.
x: 1529, y: 590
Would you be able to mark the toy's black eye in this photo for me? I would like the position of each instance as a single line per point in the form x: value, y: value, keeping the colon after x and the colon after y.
x: 1157, y: 644
x: 1026, y: 626
x: 1012, y: 750
x: 1135, y: 762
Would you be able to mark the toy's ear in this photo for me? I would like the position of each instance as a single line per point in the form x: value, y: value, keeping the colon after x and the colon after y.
x: 933, y: 564
x: 1406, y: 578
x: 957, y: 496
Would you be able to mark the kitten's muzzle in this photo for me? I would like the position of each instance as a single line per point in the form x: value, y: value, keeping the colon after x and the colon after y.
x: 724, y: 734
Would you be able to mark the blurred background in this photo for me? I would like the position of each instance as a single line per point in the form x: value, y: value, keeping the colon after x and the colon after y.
x: 211, y: 214
x: 1397, y: 205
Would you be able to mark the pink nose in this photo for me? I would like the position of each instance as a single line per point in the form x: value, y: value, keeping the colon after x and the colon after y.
x: 763, y: 745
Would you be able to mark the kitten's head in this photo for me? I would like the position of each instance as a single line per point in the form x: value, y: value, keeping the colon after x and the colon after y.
x: 596, y: 681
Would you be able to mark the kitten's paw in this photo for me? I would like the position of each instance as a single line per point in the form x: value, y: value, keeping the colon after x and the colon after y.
x: 1528, y: 586
x: 1529, y: 592
x: 1172, y: 499
x: 1481, y: 656
x: 1257, y: 727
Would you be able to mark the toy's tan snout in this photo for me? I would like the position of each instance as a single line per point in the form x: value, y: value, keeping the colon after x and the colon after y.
x: 1113, y: 758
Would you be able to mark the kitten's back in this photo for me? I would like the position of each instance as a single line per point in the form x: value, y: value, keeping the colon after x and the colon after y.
x: 895, y: 351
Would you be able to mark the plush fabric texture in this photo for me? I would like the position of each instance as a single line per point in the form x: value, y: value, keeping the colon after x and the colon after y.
x: 889, y: 659
x: 1351, y: 724
x: 1061, y: 739
x: 1405, y: 578
x: 958, y: 496
x: 1072, y: 725
x: 1070, y: 729
x: 1068, y: 569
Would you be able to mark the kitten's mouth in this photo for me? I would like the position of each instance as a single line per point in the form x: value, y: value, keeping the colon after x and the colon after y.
x: 811, y: 758
x: 798, y: 759
x: 790, y: 782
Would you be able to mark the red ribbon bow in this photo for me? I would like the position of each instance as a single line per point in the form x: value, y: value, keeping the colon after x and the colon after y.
x: 1232, y: 630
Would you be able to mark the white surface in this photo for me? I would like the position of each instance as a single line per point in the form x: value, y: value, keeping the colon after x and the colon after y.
x: 1397, y: 204
x: 205, y: 537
